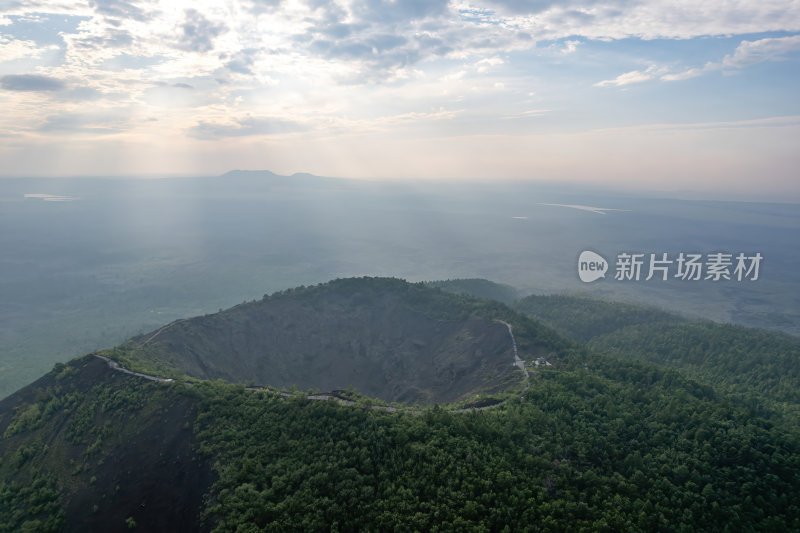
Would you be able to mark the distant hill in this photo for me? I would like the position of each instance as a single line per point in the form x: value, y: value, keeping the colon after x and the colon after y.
x: 387, y: 338
x: 260, y: 178
x: 754, y: 365
x: 257, y: 174
x: 734, y: 358
x: 479, y: 288
x: 582, y: 319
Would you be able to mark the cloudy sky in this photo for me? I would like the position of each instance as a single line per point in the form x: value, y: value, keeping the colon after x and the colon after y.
x: 666, y: 95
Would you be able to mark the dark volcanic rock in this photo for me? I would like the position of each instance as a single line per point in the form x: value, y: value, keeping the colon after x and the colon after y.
x: 386, y: 338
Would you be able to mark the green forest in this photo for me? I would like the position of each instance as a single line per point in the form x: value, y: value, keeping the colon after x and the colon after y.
x: 755, y: 367
x: 582, y: 452
x: 582, y: 318
x: 627, y: 432
x: 615, y: 447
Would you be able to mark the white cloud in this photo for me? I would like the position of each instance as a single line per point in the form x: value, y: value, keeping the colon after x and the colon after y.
x: 570, y: 46
x: 686, y: 74
x: 748, y: 53
x: 752, y: 52
x: 243, y: 127
x: 375, y: 42
x: 13, y: 49
x: 647, y: 19
x: 31, y: 82
x: 282, y: 70
x: 94, y: 123
x: 634, y: 76
x: 199, y: 32
x: 485, y: 65
x: 63, y: 7
x: 386, y: 123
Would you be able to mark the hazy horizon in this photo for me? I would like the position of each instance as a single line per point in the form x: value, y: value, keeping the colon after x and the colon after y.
x: 136, y: 253
x: 649, y: 96
x: 580, y: 187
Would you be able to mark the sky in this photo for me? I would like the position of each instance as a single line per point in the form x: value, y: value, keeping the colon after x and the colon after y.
x: 655, y: 95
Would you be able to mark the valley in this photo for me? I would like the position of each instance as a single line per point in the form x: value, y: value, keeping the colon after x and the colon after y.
x: 129, y: 256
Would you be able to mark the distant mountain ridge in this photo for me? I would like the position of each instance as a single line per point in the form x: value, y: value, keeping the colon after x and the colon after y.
x: 238, y: 174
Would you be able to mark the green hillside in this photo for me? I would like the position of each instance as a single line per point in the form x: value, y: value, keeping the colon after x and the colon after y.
x: 479, y: 288
x: 733, y: 357
x: 582, y: 319
x: 618, y: 447
x: 596, y: 443
x: 757, y: 368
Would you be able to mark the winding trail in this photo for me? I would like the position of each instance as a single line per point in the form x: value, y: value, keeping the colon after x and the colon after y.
x: 519, y: 363
x: 115, y: 366
x: 157, y: 333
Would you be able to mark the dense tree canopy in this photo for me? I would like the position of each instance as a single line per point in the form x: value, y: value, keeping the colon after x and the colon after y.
x: 643, y: 451
x: 656, y: 424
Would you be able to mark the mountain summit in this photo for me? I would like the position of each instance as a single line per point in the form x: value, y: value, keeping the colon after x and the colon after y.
x: 386, y: 338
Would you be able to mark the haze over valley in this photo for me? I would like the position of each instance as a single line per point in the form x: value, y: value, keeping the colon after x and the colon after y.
x: 126, y: 256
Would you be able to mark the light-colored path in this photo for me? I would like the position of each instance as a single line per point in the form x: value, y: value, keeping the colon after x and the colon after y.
x: 115, y: 366
x: 519, y: 363
x: 157, y: 333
